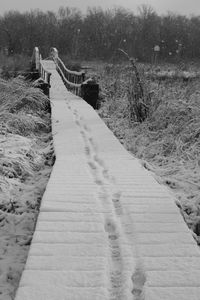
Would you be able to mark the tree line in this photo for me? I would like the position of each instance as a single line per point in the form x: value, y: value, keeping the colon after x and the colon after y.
x: 99, y: 33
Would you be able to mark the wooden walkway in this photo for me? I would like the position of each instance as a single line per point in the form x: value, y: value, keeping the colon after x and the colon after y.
x: 106, y: 229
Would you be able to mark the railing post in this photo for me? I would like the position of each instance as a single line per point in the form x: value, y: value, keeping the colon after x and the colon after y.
x: 35, y: 61
x: 83, y: 76
x: 54, y: 53
x: 90, y: 92
x: 37, y: 58
x: 48, y: 78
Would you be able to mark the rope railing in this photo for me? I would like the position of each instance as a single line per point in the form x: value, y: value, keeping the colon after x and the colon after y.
x: 72, y: 79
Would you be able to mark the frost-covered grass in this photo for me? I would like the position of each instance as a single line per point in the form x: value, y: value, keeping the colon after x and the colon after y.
x: 168, y: 140
x: 26, y: 159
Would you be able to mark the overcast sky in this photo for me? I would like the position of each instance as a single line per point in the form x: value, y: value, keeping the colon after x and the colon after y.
x: 186, y: 7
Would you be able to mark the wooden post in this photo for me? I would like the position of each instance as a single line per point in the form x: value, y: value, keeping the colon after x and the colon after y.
x: 37, y: 58
x: 156, y: 53
x: 90, y: 92
x: 83, y: 76
x: 48, y: 78
x: 54, y: 53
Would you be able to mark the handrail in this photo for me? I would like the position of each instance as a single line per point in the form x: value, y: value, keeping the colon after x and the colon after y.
x: 72, y: 79
x: 36, y: 61
x: 69, y: 71
x: 67, y: 81
x: 44, y: 73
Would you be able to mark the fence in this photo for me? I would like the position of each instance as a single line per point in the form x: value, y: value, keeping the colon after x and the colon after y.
x: 72, y: 79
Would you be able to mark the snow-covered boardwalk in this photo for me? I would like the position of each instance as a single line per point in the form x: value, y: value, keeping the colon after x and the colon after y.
x: 106, y: 229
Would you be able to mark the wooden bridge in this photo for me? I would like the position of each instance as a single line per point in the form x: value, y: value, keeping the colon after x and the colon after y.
x: 106, y: 229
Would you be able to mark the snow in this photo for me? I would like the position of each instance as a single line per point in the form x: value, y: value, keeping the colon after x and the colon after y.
x: 131, y: 230
x: 23, y: 178
x: 18, y: 215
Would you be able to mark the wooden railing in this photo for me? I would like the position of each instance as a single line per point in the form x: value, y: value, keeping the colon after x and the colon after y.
x: 72, y: 79
x: 44, y: 74
x: 38, y: 68
x: 37, y: 64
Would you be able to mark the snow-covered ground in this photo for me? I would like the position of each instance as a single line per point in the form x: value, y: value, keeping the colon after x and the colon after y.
x: 167, y: 142
x: 106, y: 229
x: 133, y: 219
x: 26, y: 157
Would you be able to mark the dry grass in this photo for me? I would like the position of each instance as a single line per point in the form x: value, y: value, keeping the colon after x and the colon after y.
x: 26, y: 159
x: 168, y: 139
x: 24, y: 117
x: 24, y: 109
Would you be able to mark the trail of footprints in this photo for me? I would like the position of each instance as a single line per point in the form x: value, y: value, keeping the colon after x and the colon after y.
x: 124, y: 284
